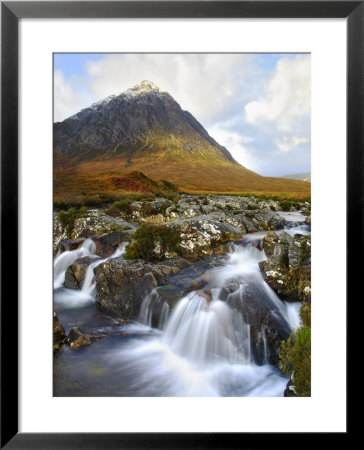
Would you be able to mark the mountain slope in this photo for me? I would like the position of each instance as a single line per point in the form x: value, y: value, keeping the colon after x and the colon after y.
x: 306, y: 176
x: 145, y: 129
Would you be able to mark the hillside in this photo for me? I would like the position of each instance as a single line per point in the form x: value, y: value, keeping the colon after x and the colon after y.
x: 306, y: 176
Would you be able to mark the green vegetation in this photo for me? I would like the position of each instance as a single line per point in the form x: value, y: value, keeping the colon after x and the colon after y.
x: 295, y: 355
x: 67, y: 218
x: 121, y: 207
x: 148, y: 238
x: 286, y: 205
x: 305, y: 248
x: 167, y: 185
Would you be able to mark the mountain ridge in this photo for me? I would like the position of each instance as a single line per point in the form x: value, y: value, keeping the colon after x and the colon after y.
x: 134, y: 118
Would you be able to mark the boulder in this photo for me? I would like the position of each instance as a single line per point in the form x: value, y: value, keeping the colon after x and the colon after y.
x: 79, y: 337
x: 289, y: 391
x: 270, y: 241
x: 108, y: 243
x: 69, y: 245
x: 260, y: 312
x: 299, y: 251
x: 288, y: 271
x: 92, y: 223
x: 200, y: 235
x: 75, y: 274
x: 97, y: 222
x: 58, y: 333
x: 122, y: 285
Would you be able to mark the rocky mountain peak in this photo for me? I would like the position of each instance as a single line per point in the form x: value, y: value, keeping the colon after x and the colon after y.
x: 144, y: 86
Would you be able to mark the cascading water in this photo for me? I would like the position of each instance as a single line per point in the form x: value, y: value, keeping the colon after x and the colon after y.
x: 69, y: 297
x: 89, y: 282
x: 67, y: 258
x: 204, y: 346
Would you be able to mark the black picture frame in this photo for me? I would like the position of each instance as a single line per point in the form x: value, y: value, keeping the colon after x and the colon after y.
x: 11, y: 12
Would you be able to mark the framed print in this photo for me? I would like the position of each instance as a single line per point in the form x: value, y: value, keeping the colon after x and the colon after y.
x: 165, y: 240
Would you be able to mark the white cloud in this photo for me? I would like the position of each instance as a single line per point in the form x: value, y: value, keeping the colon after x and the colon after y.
x: 209, y: 86
x: 287, y: 98
x: 67, y: 99
x: 236, y: 144
x: 287, y: 143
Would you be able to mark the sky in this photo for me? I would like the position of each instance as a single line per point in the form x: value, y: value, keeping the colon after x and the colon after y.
x: 256, y: 105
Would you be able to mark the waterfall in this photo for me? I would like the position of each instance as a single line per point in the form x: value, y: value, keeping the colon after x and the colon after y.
x: 210, y: 342
x: 89, y: 282
x: 63, y: 260
x: 202, y: 331
x: 70, y: 298
x: 206, y: 329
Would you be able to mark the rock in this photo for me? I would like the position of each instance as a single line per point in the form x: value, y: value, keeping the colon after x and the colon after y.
x: 268, y: 220
x: 122, y: 285
x: 58, y: 333
x: 198, y: 284
x: 78, y: 337
x: 289, y: 391
x: 59, y: 234
x: 292, y: 285
x: 299, y: 252
x: 199, y: 236
x: 288, y: 272
x: 258, y: 310
x: 245, y: 222
x: 107, y: 244
x: 69, y: 245
x: 75, y: 273
x: 97, y: 223
x: 268, y: 205
x: 152, y: 211
x: 270, y: 241
x: 276, y: 275
x: 94, y: 222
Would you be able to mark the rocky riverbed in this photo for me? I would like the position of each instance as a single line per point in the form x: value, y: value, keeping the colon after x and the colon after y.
x: 218, y: 305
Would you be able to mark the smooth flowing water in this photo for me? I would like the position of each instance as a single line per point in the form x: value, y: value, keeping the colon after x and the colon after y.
x: 201, y: 346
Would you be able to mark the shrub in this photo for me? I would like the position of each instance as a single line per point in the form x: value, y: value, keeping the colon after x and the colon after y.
x: 250, y: 206
x: 305, y: 314
x: 120, y: 207
x: 295, y: 360
x: 67, y: 218
x: 286, y: 205
x: 148, y: 237
x: 305, y: 249
x: 169, y: 186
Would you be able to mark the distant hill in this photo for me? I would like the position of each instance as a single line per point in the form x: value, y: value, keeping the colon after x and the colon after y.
x: 144, y: 129
x: 306, y: 176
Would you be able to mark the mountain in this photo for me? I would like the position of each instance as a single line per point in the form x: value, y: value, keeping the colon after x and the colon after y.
x: 306, y: 176
x: 144, y: 129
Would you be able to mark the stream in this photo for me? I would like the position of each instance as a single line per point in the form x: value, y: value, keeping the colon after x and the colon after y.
x: 200, y: 346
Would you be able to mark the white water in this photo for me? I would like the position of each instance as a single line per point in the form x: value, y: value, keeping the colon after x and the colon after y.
x: 89, y: 282
x: 203, y: 348
x: 67, y: 258
x: 70, y: 298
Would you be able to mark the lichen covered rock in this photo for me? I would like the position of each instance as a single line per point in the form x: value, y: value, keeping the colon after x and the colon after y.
x: 122, y: 285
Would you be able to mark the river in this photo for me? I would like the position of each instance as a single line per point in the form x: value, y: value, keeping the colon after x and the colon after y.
x: 202, y: 346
